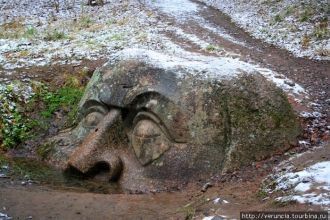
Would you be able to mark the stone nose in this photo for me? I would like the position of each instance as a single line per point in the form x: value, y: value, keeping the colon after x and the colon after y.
x: 94, y: 149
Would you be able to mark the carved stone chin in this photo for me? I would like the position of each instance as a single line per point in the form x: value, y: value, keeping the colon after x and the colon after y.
x: 157, y: 125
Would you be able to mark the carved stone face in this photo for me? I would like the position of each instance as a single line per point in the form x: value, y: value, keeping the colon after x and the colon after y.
x: 156, y: 130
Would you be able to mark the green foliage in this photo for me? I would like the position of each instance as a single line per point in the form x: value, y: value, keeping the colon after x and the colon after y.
x: 262, y: 193
x: 321, y: 32
x: 111, y: 21
x: 117, y: 37
x: 30, y: 32
x: 289, y: 10
x: 30, y: 170
x: 16, y: 29
x: 66, y: 97
x: 55, y: 35
x: 44, y: 150
x: 306, y: 14
x: 210, y: 47
x: 86, y: 22
x: 15, y: 126
x: 278, y: 18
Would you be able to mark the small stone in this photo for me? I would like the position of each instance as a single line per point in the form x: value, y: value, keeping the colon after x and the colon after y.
x: 289, y: 82
x: 206, y: 186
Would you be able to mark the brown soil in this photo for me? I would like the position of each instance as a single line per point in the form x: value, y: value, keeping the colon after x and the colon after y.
x: 240, y: 189
x: 52, y: 74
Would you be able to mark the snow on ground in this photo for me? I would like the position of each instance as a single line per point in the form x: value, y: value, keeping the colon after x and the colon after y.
x: 199, y: 65
x: 72, y: 32
x: 302, y: 27
x: 185, y: 10
x: 39, y: 34
x: 310, y: 185
x: 211, y: 67
x: 180, y: 9
x: 4, y: 216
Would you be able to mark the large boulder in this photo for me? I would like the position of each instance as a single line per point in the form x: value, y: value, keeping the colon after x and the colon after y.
x: 158, y: 121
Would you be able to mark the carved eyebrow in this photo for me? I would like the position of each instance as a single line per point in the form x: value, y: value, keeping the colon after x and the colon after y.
x: 94, y: 106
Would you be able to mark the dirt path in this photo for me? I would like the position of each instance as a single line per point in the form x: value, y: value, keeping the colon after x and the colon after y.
x: 210, y: 26
x: 199, y: 29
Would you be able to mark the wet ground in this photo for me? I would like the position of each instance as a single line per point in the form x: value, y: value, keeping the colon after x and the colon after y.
x: 199, y: 29
x: 227, y: 195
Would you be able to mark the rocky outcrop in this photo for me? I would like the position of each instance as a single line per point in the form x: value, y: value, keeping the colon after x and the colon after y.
x: 158, y: 121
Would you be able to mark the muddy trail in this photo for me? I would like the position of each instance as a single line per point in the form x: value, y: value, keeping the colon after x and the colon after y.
x: 199, y: 29
x: 226, y: 197
x: 207, y: 25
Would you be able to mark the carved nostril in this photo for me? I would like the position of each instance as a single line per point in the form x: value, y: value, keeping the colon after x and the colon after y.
x: 98, y: 169
x: 115, y: 165
x: 102, y: 170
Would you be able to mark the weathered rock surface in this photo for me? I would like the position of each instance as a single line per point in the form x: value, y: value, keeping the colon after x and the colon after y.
x: 158, y: 121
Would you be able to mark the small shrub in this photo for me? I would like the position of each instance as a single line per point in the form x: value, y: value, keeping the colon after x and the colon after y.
x: 306, y: 14
x: 86, y: 22
x: 321, y: 31
x: 289, y: 10
x: 323, y: 51
x: 12, y: 29
x: 24, y: 53
x: 15, y: 126
x: 44, y: 150
x: 30, y: 32
x: 278, y: 18
x: 111, y: 22
x: 55, y: 35
x: 211, y: 48
x: 66, y: 98
x: 262, y: 193
x: 305, y: 41
x: 117, y: 37
x: 18, y: 103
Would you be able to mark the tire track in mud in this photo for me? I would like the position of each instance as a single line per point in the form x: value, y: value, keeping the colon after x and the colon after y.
x: 201, y: 29
x: 210, y: 26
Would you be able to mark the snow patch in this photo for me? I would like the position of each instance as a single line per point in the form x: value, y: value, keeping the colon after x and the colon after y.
x: 199, y: 65
x: 4, y: 216
x: 282, y: 23
x: 193, y: 38
x: 221, y: 32
x: 208, y: 218
x: 204, y: 66
x: 216, y: 201
x: 315, y: 177
x: 178, y: 9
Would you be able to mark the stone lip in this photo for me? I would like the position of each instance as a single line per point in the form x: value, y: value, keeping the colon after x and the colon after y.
x: 180, y: 120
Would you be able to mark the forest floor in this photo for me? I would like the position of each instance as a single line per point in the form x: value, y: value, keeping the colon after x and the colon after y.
x: 44, y: 43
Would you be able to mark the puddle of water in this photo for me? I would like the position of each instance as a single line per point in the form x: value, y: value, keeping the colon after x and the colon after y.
x: 31, y: 171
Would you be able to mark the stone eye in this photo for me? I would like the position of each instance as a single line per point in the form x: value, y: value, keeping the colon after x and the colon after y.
x: 93, y: 119
x: 148, y: 141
